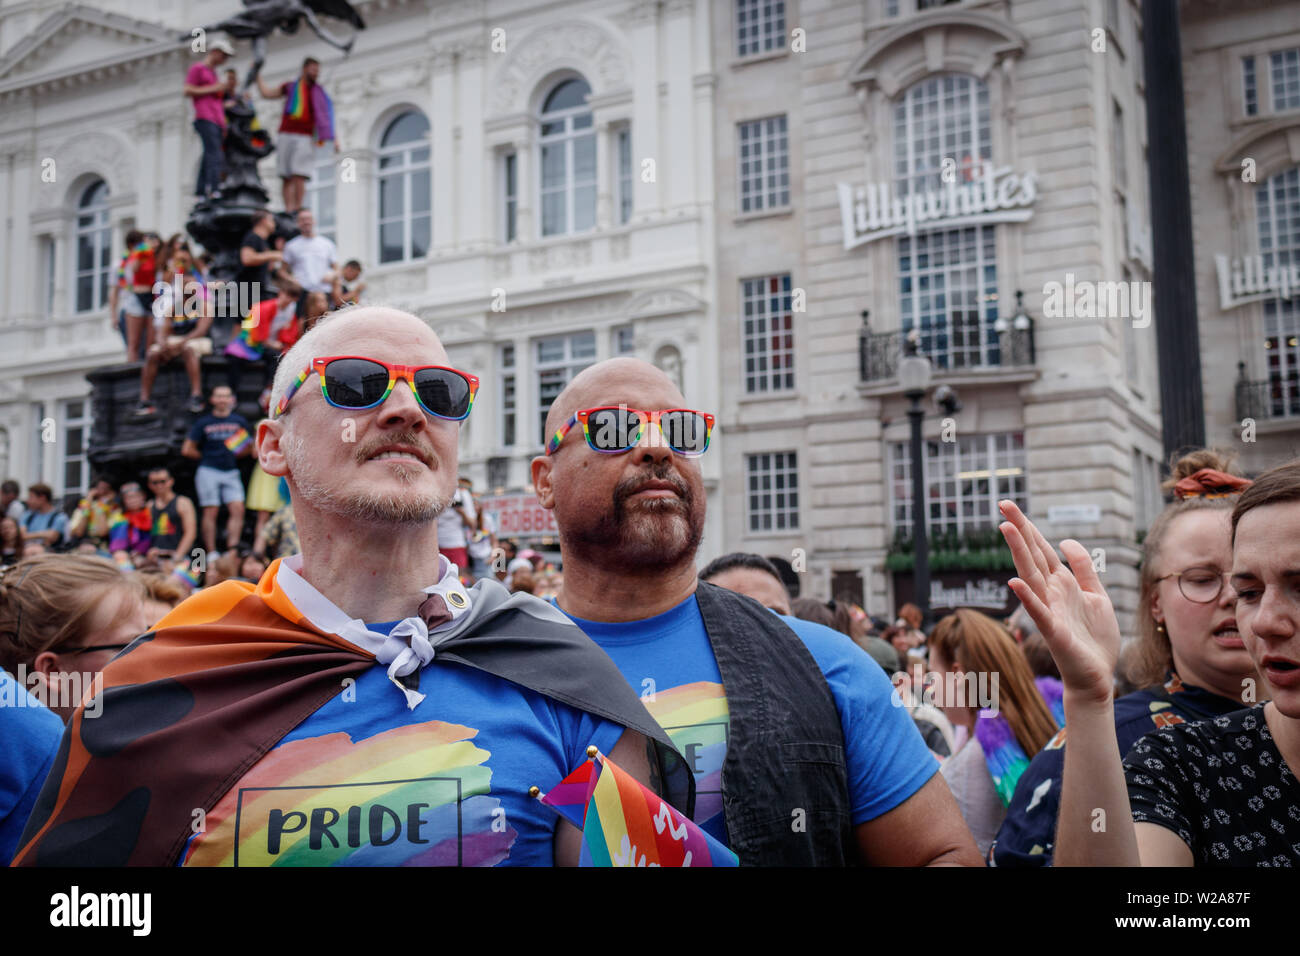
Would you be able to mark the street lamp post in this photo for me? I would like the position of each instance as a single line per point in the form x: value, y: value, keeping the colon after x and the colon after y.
x: 914, y: 374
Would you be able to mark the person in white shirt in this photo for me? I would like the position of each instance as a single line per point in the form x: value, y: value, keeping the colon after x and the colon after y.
x: 312, y: 260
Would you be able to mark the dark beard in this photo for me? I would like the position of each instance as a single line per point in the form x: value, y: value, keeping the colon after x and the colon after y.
x: 648, y: 535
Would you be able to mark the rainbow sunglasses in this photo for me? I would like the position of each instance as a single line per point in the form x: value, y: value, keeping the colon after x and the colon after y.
x: 356, y: 383
x: 615, y: 429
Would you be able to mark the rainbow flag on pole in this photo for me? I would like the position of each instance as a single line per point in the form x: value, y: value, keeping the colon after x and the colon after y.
x: 624, y: 823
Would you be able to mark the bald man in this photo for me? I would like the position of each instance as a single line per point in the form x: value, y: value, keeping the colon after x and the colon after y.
x: 799, y: 755
x: 357, y: 705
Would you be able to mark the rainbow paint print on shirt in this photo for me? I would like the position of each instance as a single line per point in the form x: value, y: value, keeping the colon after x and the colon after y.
x: 415, y: 795
x: 697, y: 721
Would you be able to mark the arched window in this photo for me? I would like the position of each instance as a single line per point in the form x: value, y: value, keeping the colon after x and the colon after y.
x: 948, y: 283
x: 94, y: 247
x: 405, y: 189
x: 568, y: 160
x: 1277, y: 208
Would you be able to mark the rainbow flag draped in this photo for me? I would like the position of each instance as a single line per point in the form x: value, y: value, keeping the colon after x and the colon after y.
x: 624, y: 823
x: 299, y: 100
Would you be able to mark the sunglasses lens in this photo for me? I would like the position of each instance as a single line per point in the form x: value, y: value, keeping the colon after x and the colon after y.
x: 355, y: 383
x: 685, y: 432
x: 443, y: 392
x: 613, y: 429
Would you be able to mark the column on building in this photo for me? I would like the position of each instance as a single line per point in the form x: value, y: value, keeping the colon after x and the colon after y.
x: 643, y: 36
x: 442, y: 123
x: 475, y: 184
x: 23, y: 181
x: 172, y: 212
x: 606, y: 174
x: 353, y: 223
x: 679, y: 175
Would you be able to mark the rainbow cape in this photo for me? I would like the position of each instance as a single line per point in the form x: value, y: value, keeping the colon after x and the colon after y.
x: 189, y: 706
x: 625, y: 823
x: 1003, y: 755
x: 130, y: 531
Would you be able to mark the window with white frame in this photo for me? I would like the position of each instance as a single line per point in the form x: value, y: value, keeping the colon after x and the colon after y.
x: 558, y: 360
x: 624, y: 175
x: 1249, y: 87
x: 94, y: 247
x: 1147, y: 497
x: 622, y: 340
x: 510, y: 194
x: 509, y: 397
x: 1277, y: 207
x: 764, y: 173
x: 767, y: 328
x: 772, y: 491
x: 948, y: 282
x: 405, y: 189
x: 1286, y: 79
x: 760, y: 26
x: 76, y: 439
x: 568, y: 160
x: 964, y: 480
x: 321, y: 195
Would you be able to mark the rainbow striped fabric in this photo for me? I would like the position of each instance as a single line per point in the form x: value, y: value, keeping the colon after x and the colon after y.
x: 624, y: 823
x: 239, y: 441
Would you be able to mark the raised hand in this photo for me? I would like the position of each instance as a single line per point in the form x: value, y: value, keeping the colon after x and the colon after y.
x: 1071, y: 610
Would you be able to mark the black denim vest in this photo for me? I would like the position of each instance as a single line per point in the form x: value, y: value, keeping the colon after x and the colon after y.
x: 785, y: 791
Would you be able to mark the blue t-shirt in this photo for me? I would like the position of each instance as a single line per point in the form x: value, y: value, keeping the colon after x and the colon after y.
x: 669, y: 661
x: 365, y: 781
x: 220, y: 439
x: 54, y: 520
x: 31, y: 733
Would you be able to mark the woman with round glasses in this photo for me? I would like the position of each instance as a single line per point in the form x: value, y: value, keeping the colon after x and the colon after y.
x: 1189, y: 659
x: 1216, y: 792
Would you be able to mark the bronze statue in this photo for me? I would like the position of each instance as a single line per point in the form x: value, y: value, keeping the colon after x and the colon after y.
x: 262, y: 17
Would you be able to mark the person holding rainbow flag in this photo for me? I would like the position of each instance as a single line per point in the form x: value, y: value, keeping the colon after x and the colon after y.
x: 217, y: 440
x: 307, y: 122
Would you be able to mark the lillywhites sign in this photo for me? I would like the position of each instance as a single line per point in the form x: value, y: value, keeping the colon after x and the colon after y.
x: 982, y: 593
x: 876, y: 211
x: 1248, y: 280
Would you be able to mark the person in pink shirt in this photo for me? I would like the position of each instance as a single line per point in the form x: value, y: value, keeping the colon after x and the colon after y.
x: 203, y: 87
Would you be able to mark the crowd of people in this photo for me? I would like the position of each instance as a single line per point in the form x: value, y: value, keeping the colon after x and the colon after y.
x: 736, y: 701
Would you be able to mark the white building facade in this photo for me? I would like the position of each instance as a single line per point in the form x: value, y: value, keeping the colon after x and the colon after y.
x: 709, y: 186
x: 1241, y: 80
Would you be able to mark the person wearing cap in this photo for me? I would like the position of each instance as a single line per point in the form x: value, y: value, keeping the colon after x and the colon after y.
x: 206, y: 90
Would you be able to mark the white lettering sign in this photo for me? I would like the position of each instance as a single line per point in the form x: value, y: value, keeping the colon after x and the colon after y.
x: 985, y: 593
x: 876, y: 211
x: 1074, y: 514
x: 1247, y: 280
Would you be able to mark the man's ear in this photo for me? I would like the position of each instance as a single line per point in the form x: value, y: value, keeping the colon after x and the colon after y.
x: 269, y: 454
x: 542, y: 481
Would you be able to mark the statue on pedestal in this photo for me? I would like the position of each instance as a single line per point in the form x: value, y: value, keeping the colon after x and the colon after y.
x: 262, y: 17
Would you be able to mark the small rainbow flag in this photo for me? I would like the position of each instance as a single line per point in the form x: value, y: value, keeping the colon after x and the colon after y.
x: 186, y: 574
x: 239, y: 441
x: 624, y: 823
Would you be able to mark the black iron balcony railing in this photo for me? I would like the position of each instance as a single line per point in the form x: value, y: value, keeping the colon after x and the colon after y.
x: 878, y: 352
x: 1270, y: 399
